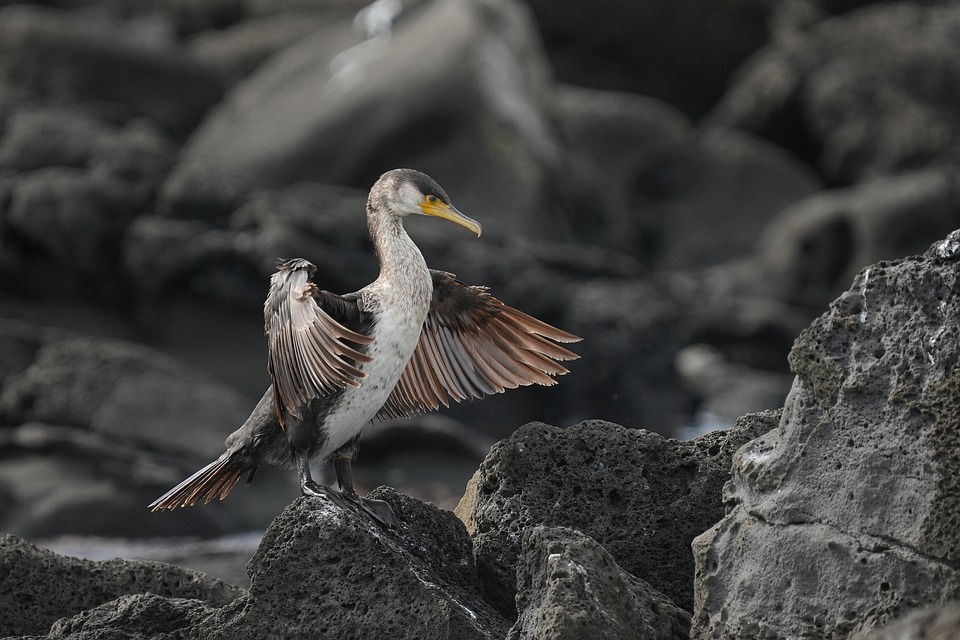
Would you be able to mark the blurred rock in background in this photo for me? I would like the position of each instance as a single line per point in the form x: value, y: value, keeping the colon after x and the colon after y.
x: 684, y: 185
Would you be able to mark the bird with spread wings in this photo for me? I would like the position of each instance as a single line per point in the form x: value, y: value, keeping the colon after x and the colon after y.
x: 410, y: 342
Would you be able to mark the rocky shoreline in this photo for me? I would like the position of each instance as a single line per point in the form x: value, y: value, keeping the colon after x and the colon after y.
x: 831, y: 518
x: 688, y: 186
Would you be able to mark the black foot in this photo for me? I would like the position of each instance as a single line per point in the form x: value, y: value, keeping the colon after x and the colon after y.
x: 379, y: 510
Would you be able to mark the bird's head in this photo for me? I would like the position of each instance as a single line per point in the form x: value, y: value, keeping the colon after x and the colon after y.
x: 406, y: 191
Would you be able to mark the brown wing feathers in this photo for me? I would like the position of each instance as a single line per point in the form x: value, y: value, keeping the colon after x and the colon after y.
x: 473, y: 345
x: 307, y: 353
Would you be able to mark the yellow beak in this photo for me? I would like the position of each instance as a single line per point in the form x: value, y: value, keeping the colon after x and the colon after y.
x: 442, y: 210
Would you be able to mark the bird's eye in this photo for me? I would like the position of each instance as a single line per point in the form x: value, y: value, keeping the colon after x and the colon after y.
x: 432, y: 199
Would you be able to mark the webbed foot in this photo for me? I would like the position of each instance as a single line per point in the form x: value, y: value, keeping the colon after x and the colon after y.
x: 381, y: 511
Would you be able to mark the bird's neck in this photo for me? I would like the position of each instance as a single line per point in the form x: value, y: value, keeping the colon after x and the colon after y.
x: 400, y: 259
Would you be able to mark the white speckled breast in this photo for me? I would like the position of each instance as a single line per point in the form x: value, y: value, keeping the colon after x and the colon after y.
x: 399, y: 302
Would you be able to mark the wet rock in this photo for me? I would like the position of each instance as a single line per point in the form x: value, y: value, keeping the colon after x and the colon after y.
x: 639, y: 495
x: 860, y: 95
x: 466, y: 109
x: 325, y: 572
x: 857, y: 482
x: 569, y: 587
x: 40, y: 587
x: 48, y: 55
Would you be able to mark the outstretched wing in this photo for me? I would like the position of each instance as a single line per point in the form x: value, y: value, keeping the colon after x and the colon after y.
x: 473, y: 345
x: 308, y: 356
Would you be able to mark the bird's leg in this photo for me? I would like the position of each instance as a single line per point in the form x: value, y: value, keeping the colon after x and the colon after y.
x: 347, y: 497
x: 379, y: 510
x: 309, y: 487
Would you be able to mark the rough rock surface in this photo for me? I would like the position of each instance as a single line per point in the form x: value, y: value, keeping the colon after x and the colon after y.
x: 324, y: 572
x: 859, y: 480
x: 641, y: 496
x: 39, y: 586
x: 569, y: 588
x: 320, y: 572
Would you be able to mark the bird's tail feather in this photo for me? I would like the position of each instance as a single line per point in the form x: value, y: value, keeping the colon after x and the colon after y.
x: 213, y: 481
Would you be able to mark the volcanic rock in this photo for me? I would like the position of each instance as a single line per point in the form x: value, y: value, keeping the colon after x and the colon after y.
x: 568, y: 587
x: 325, y: 572
x: 41, y: 587
x: 846, y: 515
x: 639, y: 495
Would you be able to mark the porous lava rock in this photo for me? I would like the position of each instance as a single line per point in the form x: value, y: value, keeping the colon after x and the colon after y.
x: 40, y: 586
x: 569, y: 587
x: 325, y: 572
x: 847, y: 515
x: 640, y: 495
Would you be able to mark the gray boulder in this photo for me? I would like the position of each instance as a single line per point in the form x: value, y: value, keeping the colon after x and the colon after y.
x: 230, y: 262
x: 324, y: 572
x: 814, y: 247
x: 122, y: 390
x: 641, y: 496
x: 49, y: 55
x: 238, y: 50
x: 673, y: 196
x: 73, y: 184
x: 337, y: 108
x: 96, y: 429
x: 40, y: 587
x: 842, y: 518
x: 569, y: 588
x: 860, y: 95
